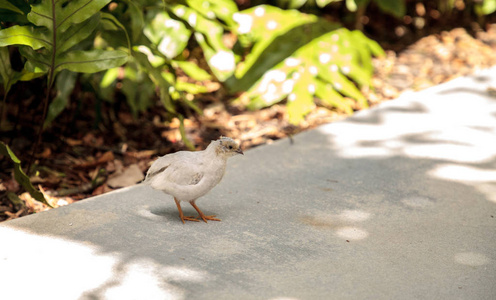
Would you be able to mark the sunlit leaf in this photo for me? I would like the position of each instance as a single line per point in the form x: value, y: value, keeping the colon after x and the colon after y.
x: 297, y: 63
x: 169, y: 35
x: 24, y: 35
x: 300, y: 100
x: 211, y: 9
x: 193, y: 70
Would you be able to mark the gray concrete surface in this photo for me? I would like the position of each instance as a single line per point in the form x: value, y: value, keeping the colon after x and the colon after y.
x: 397, y: 202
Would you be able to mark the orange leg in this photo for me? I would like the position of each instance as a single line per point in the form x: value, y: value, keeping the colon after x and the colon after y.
x: 202, y: 215
x: 183, y: 218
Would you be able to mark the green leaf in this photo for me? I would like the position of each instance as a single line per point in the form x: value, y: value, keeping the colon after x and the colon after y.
x: 61, y: 25
x: 135, y: 13
x: 6, y: 72
x: 65, y: 14
x: 209, y: 35
x: 116, y: 22
x: 182, y: 131
x: 278, y: 35
x: 222, y: 9
x: 396, y: 8
x: 222, y: 63
x: 294, y: 4
x: 25, y: 75
x: 157, y: 78
x: 170, y: 36
x: 110, y: 76
x: 488, y: 7
x: 193, y: 70
x: 331, y: 98
x: 138, y: 94
x: 8, y: 6
x: 20, y: 176
x: 91, y: 61
x: 76, y: 33
x: 64, y: 84
x: 24, y: 35
x: 326, y: 64
x: 190, y: 87
x: 300, y: 101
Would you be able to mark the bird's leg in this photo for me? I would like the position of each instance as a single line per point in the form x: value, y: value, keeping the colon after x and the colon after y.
x: 202, y: 215
x: 183, y: 218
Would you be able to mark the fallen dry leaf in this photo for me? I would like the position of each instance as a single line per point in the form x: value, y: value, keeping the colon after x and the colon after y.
x: 130, y: 176
x: 106, y: 157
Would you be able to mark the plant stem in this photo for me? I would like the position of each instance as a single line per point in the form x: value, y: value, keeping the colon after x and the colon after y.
x: 40, y: 130
x: 51, y: 77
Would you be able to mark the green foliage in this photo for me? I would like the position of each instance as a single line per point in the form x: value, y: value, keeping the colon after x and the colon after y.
x: 486, y: 7
x: 316, y: 58
x: 396, y: 8
x: 159, y: 36
x: 64, y: 84
x: 20, y: 176
x: 299, y: 57
x: 51, y: 44
x: 57, y: 27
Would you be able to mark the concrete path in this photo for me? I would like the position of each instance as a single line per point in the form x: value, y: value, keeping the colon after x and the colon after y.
x: 397, y: 202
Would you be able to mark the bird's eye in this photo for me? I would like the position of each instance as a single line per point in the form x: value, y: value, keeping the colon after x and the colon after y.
x: 230, y: 147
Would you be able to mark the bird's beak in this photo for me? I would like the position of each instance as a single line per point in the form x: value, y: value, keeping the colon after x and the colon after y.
x: 239, y: 151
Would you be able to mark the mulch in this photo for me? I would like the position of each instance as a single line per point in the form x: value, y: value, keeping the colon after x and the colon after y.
x: 82, y: 158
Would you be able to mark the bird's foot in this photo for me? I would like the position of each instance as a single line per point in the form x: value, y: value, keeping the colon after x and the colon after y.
x: 210, y: 218
x: 193, y: 219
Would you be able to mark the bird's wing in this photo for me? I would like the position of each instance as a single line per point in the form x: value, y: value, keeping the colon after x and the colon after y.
x: 180, y: 168
x: 158, y: 166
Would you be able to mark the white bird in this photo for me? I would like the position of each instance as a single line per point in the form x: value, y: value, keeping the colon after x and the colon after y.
x: 189, y: 175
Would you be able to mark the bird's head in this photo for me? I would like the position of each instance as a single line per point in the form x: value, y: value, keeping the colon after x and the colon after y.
x: 228, y: 147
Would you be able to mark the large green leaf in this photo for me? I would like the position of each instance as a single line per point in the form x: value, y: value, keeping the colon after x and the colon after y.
x: 76, y: 33
x: 58, y: 16
x: 19, y: 174
x: 276, y: 34
x: 297, y: 63
x: 91, y: 61
x: 61, y: 25
x: 25, y: 35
